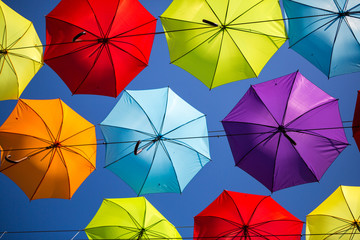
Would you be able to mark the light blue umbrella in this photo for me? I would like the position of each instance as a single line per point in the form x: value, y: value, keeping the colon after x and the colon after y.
x: 326, y: 33
x: 155, y: 141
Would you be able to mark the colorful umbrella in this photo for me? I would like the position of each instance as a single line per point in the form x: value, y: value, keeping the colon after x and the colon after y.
x: 21, y: 54
x: 326, y: 33
x: 223, y: 41
x: 48, y: 150
x: 156, y: 142
x: 338, y: 217
x: 356, y: 122
x: 239, y: 216
x: 285, y: 132
x: 98, y: 48
x: 130, y: 218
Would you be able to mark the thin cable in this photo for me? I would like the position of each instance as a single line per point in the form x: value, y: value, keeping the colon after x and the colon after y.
x: 189, y: 29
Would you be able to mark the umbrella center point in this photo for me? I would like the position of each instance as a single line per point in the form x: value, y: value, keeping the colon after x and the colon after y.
x: 245, y: 229
x: 344, y: 14
x: 103, y: 40
x: 281, y: 128
x: 56, y: 144
x: 356, y: 223
x: 3, y: 51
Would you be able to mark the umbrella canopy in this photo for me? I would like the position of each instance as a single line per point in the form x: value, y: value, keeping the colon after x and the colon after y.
x: 338, y: 217
x: 285, y: 132
x: 326, y: 33
x: 48, y: 150
x: 130, y: 218
x: 21, y: 54
x: 98, y: 48
x: 223, y: 41
x: 239, y: 216
x: 356, y: 122
x: 156, y: 142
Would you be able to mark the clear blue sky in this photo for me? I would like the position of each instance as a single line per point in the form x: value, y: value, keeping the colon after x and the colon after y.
x: 17, y: 213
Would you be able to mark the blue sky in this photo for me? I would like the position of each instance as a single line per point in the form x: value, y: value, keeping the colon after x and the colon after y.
x: 17, y: 213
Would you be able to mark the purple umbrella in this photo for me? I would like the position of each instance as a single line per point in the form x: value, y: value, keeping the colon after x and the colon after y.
x: 285, y: 132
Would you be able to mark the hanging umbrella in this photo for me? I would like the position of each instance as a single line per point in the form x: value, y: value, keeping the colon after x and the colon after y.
x: 98, y: 48
x: 48, y: 150
x: 356, y: 122
x: 130, y: 218
x: 219, y: 41
x: 20, y: 53
x: 156, y: 142
x: 338, y: 217
x: 285, y: 132
x: 239, y: 216
x: 326, y: 33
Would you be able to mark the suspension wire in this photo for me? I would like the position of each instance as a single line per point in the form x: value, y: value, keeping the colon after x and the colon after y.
x: 189, y: 29
x: 180, y: 138
x: 159, y: 238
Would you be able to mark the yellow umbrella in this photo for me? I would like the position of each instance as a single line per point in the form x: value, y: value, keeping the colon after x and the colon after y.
x: 21, y: 54
x: 130, y: 218
x: 337, y: 217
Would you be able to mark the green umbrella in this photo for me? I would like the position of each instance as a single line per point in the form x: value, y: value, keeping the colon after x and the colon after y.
x: 130, y: 218
x: 222, y: 41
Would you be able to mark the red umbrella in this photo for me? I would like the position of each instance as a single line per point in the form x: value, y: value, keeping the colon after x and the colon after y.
x: 98, y: 47
x: 238, y: 216
x: 356, y: 122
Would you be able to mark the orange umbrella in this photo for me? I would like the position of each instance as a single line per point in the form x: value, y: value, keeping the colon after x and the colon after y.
x: 48, y: 150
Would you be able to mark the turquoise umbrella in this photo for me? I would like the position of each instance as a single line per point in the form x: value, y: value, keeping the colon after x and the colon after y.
x: 155, y: 141
x: 326, y: 33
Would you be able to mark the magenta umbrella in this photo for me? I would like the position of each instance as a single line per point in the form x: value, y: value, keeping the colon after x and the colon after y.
x: 285, y: 132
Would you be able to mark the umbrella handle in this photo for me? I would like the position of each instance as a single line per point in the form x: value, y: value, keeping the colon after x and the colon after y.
x: 290, y: 139
x: 7, y: 158
x: 137, y: 150
x: 210, y: 23
x: 78, y: 35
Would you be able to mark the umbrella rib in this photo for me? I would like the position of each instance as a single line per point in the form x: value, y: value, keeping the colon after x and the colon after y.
x: 135, y: 130
x: 107, y: 48
x: 236, y: 207
x: 184, y: 124
x: 66, y: 169
x: 77, y: 133
x: 96, y: 19
x: 310, y: 110
x: 256, y: 124
x: 236, y: 224
x: 207, y: 3
x: 269, y: 234
x: 132, y: 29
x: 165, y: 110
x: 302, y: 38
x: 112, y: 21
x: 257, y: 95
x: 62, y: 121
x: 74, y: 152
x: 173, y: 167
x: 357, y: 5
x: 310, y: 6
x: 347, y: 204
x: 217, y: 59
x: 26, y: 135
x: 52, y: 137
x: 12, y: 68
x: 245, y: 155
x: 258, y: 33
x: 276, y: 153
x: 333, y: 44
x: 99, y: 51
x: 81, y: 29
x: 152, y: 162
x: 47, y: 170
x: 243, y: 13
x: 186, y: 146
x: 25, y: 57
x: 330, y: 216
x: 21, y: 37
x: 144, y: 62
x: 117, y: 160
x: 205, y: 26
x: 288, y: 98
x: 4, y: 38
x: 253, y: 212
x: 351, y: 30
x: 152, y: 124
x: 94, y: 43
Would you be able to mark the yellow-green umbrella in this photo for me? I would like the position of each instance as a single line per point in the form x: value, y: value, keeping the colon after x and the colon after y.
x: 337, y: 217
x: 130, y: 218
x: 221, y: 41
x: 21, y: 54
